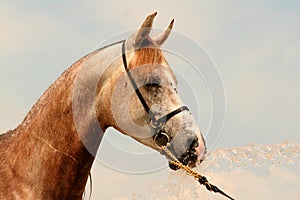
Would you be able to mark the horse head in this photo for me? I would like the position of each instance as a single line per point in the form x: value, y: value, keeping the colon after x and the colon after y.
x: 145, y: 103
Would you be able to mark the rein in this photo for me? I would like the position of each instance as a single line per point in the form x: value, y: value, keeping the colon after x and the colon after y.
x: 161, y: 139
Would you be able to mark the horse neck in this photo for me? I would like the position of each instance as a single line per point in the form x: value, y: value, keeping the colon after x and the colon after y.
x: 52, y: 159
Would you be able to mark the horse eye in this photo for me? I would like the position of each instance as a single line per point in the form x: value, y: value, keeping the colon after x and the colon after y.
x: 153, y: 81
x: 151, y: 85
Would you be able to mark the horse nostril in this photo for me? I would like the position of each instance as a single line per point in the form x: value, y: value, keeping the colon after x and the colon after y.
x: 185, y: 160
x: 194, y: 143
x: 190, y: 141
x: 193, y: 158
x: 192, y: 151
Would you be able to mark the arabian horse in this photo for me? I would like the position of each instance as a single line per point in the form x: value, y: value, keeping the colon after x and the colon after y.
x: 127, y: 85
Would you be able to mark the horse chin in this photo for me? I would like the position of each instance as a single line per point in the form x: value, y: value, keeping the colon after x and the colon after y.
x: 189, y: 159
x: 192, y: 156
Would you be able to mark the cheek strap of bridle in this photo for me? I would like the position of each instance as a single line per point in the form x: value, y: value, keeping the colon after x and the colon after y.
x: 157, y: 124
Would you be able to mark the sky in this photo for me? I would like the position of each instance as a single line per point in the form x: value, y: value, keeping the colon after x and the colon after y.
x: 254, y: 45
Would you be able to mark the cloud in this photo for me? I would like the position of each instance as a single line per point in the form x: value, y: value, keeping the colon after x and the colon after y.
x: 22, y: 30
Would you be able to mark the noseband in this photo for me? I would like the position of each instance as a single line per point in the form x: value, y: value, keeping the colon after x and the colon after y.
x: 160, y: 138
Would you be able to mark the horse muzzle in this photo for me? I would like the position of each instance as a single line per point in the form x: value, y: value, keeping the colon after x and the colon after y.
x: 192, y: 156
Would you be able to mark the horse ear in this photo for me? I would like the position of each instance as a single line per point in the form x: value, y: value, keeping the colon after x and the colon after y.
x: 145, y: 29
x: 160, y: 38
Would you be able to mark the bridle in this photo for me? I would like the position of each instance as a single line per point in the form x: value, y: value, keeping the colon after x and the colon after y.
x: 160, y: 138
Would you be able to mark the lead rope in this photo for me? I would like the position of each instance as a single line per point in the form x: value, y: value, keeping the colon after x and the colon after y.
x: 157, y: 125
x: 201, y: 179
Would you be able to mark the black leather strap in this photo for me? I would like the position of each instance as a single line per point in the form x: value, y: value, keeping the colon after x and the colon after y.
x: 156, y: 123
x: 172, y: 114
x: 133, y: 83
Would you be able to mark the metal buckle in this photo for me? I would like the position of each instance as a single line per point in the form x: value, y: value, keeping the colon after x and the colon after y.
x: 161, y: 139
x: 155, y: 124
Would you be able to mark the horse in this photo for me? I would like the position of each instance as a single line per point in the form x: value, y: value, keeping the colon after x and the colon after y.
x: 128, y: 86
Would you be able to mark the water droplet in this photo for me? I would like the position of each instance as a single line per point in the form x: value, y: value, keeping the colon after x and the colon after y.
x: 178, y: 185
